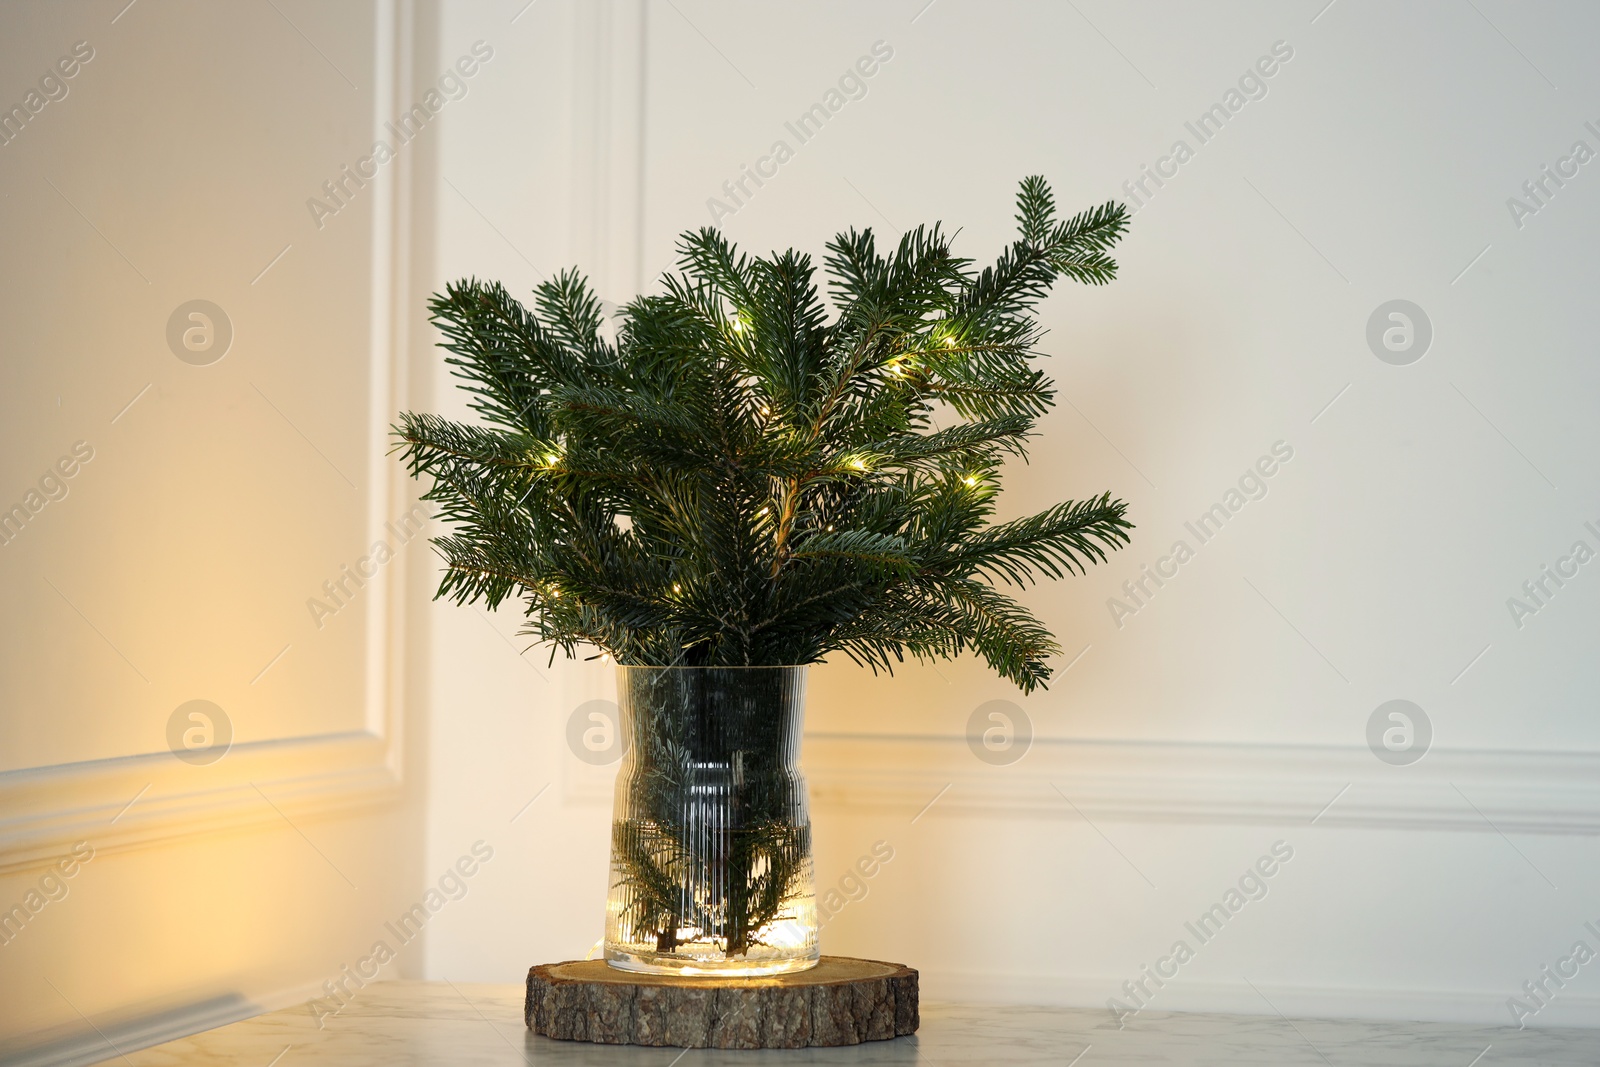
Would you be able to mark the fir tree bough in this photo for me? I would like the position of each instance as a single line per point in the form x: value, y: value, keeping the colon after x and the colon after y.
x: 749, y: 475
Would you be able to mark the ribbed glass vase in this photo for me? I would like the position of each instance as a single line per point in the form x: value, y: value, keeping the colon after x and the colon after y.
x: 711, y: 835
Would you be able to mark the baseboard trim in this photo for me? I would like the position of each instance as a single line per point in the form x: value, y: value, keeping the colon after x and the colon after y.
x: 1480, y: 1008
x: 75, y: 1046
x: 86, y: 1045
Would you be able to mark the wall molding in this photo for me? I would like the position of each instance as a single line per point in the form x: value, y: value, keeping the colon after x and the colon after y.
x: 136, y: 801
x: 1190, y: 782
x: 608, y: 147
x: 47, y: 809
x: 1214, y: 782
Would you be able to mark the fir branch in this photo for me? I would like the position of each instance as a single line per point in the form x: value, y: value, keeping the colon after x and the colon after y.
x: 750, y: 474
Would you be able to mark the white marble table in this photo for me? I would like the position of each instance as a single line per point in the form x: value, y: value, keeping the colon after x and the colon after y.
x: 398, y: 1024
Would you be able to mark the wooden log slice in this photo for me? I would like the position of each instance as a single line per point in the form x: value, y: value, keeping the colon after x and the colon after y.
x: 840, y: 1001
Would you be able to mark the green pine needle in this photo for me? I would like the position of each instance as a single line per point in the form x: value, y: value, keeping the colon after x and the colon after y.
x: 749, y: 475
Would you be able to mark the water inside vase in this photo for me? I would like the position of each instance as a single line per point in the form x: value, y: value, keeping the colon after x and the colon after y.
x: 711, y: 869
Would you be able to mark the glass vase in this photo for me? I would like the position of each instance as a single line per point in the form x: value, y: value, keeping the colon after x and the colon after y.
x: 711, y: 869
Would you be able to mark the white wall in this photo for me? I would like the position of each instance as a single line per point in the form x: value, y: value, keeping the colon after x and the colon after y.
x: 185, y: 559
x: 510, y: 172
x: 1227, y: 712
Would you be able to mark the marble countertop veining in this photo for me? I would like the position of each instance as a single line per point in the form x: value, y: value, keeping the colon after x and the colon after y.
x: 400, y: 1024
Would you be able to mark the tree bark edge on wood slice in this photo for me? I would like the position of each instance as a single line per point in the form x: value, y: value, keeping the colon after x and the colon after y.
x: 841, y: 1001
